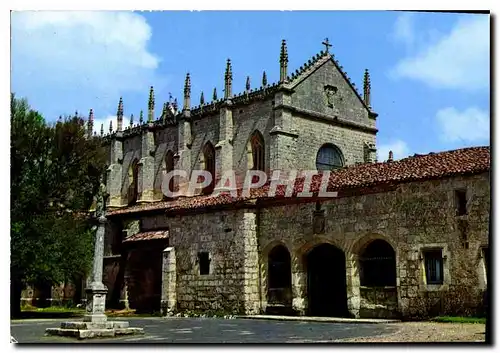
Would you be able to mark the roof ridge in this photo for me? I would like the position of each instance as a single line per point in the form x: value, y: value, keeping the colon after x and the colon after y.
x: 319, y: 60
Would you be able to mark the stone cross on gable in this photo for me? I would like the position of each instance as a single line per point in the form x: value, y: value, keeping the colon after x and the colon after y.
x: 326, y: 43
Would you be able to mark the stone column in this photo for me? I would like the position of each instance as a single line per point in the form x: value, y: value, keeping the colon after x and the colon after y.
x: 96, y: 293
x: 352, y: 279
x: 169, y: 282
x: 114, y: 175
x: 224, y: 148
x: 299, y: 286
x: 283, y: 135
x: 248, y: 229
x: 182, y: 160
x: 147, y: 166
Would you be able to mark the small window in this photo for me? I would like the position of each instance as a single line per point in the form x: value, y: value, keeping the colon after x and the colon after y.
x: 434, y: 266
x: 461, y: 202
x: 204, y: 260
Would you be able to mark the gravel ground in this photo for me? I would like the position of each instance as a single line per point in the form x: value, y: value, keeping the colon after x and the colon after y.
x: 428, y: 332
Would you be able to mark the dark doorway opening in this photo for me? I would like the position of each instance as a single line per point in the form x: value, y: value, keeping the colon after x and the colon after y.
x: 326, y: 282
x: 279, y: 292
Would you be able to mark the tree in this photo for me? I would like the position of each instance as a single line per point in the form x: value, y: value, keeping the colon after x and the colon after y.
x: 55, y: 170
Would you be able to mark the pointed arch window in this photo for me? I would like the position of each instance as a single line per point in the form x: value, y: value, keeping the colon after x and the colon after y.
x: 257, y: 148
x: 329, y: 157
x: 209, y: 161
x: 133, y: 177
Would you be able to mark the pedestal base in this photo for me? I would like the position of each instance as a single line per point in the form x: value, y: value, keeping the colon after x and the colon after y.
x: 82, y: 329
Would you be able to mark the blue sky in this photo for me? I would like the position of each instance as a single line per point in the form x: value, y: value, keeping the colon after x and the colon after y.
x: 429, y: 71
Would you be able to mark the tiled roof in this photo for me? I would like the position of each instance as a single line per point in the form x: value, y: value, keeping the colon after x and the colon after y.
x: 162, y: 234
x: 473, y: 160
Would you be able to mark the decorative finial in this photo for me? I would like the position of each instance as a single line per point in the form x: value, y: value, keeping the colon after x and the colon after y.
x: 366, y: 88
x: 131, y: 120
x: 247, y: 85
x: 214, y: 95
x: 90, y: 124
x: 228, y: 80
x: 102, y: 129
x: 327, y: 45
x: 391, y: 157
x: 264, y: 79
x: 202, y: 99
x: 141, y: 117
x: 151, y: 104
x: 175, y: 105
x: 283, y: 61
x: 119, y: 115
x: 110, y: 126
x: 187, y: 93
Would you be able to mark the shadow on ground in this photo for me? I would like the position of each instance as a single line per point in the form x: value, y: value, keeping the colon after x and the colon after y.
x: 47, y: 315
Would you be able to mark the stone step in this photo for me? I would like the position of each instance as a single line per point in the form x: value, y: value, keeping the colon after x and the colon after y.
x: 83, y: 325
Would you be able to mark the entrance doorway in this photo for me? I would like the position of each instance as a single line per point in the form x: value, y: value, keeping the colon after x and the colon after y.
x: 326, y: 282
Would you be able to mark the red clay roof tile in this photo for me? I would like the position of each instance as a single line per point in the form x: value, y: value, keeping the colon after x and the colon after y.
x: 473, y: 160
x: 162, y: 234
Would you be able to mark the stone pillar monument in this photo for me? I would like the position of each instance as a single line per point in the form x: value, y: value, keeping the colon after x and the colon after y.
x: 96, y: 293
x: 95, y: 322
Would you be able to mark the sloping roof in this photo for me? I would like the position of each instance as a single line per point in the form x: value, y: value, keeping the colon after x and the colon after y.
x: 318, y: 61
x: 466, y: 161
x: 161, y: 234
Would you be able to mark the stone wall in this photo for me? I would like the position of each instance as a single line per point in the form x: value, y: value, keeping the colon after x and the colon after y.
x: 313, y: 134
x: 229, y: 238
x: 294, y: 124
x: 247, y: 119
x: 310, y: 95
x: 46, y: 295
x: 411, y: 218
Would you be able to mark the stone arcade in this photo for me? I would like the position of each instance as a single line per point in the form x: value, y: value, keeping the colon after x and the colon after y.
x: 402, y: 237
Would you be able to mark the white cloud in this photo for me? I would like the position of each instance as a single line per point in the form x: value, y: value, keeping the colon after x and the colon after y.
x: 456, y: 60
x: 399, y: 149
x: 403, y: 29
x: 470, y: 125
x: 105, y: 124
x: 67, y: 60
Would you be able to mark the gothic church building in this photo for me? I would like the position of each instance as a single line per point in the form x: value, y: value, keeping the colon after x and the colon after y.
x: 401, y: 237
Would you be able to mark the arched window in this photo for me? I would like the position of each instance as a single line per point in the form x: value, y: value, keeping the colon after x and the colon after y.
x: 168, y: 167
x: 133, y: 177
x: 209, y: 158
x: 378, y: 265
x: 257, y: 148
x: 329, y: 157
x: 280, y: 276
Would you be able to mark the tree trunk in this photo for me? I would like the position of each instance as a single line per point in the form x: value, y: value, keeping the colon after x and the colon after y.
x: 16, y: 289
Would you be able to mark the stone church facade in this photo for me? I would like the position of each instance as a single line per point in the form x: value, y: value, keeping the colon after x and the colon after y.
x: 401, y: 237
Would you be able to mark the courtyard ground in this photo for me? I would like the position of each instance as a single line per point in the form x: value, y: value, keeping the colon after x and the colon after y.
x: 214, y: 330
x: 427, y: 332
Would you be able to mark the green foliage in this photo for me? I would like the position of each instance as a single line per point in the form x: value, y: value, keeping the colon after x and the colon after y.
x: 55, y: 172
x: 460, y: 319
